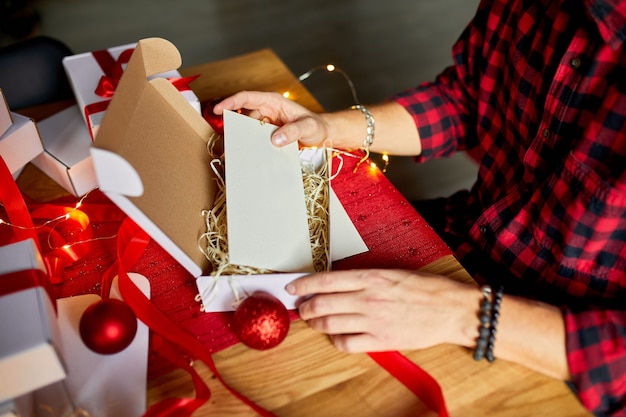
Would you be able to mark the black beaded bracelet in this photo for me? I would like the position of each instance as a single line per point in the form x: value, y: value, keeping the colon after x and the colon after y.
x: 485, y: 320
x: 495, y: 315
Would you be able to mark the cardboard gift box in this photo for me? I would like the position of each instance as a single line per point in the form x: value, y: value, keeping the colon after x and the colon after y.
x: 5, y: 114
x: 30, y: 347
x: 66, y: 157
x: 151, y: 160
x: 94, y: 77
x: 20, y: 143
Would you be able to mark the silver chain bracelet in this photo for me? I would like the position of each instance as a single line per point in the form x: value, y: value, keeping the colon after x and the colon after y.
x: 371, y: 125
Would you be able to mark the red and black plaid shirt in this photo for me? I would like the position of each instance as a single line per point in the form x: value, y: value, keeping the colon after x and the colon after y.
x: 538, y: 93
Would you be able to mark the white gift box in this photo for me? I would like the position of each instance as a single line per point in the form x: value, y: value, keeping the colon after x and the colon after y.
x: 30, y: 340
x: 164, y: 184
x: 96, y: 385
x: 5, y: 114
x: 84, y: 73
x: 18, y: 407
x: 20, y: 143
x: 49, y: 401
x: 66, y: 157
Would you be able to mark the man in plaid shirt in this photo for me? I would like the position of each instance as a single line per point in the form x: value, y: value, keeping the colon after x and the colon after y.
x: 537, y: 93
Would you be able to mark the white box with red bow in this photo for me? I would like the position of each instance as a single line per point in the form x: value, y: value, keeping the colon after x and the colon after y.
x: 95, y: 75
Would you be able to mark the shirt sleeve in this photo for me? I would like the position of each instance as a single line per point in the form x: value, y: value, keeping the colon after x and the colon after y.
x: 596, y: 353
x: 444, y: 110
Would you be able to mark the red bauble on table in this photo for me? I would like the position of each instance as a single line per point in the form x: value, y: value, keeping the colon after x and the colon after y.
x: 108, y: 326
x: 261, y: 321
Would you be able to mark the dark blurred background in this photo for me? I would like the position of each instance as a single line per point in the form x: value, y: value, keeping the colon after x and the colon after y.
x: 383, y: 46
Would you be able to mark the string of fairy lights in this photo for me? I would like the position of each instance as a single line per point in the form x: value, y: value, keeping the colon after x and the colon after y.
x: 71, y: 213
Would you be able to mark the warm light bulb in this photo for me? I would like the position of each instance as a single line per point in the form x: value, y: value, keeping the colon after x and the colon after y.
x: 373, y: 165
x: 286, y: 94
x: 386, y: 160
x: 330, y: 67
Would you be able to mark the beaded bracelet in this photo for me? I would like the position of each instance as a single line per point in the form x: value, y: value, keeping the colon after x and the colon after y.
x: 485, y: 319
x: 489, y: 315
x: 495, y: 315
x: 371, y: 125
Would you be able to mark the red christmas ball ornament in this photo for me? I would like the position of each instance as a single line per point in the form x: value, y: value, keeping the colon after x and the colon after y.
x: 261, y: 321
x: 214, y: 120
x: 108, y: 326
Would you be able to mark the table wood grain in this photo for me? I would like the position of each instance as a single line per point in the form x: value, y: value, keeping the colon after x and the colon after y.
x: 305, y: 375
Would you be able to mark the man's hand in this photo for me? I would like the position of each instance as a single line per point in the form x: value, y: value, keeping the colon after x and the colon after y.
x: 297, y: 124
x: 376, y: 310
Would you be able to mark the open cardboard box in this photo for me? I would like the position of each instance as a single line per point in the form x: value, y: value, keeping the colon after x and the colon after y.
x: 151, y: 159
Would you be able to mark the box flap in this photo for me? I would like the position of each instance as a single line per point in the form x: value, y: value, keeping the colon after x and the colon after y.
x: 5, y: 114
x: 20, y: 143
x: 150, y: 135
x: 20, y: 256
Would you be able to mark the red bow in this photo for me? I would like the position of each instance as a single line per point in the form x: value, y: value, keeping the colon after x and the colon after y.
x: 112, y: 70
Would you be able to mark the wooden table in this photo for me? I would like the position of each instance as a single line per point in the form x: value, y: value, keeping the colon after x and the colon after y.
x: 305, y: 375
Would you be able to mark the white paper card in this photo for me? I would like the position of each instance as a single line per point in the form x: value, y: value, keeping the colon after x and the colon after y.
x: 266, y: 212
x: 345, y: 239
x: 220, y: 294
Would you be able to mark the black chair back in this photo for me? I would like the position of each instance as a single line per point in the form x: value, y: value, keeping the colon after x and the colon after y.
x: 31, y: 72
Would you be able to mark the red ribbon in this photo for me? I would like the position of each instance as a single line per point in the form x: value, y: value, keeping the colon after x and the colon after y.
x: 112, y: 69
x: 21, y: 280
x: 132, y: 241
x: 15, y: 207
x: 112, y: 73
x: 424, y: 386
x: 17, y: 212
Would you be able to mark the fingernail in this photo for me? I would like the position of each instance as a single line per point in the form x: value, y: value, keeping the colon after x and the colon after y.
x: 291, y: 289
x: 280, y: 139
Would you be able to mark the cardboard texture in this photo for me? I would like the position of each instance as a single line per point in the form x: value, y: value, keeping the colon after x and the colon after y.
x: 84, y: 72
x: 6, y: 120
x: 20, y: 143
x: 151, y: 160
x: 30, y: 342
x: 66, y: 157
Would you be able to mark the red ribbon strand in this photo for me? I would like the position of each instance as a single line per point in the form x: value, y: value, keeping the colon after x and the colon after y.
x: 414, y: 378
